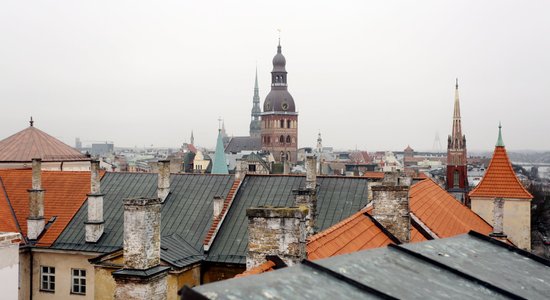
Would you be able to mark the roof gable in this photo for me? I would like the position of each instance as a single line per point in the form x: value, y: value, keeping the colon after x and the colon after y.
x: 500, y: 180
x: 34, y: 143
x: 441, y: 212
x: 64, y: 194
x: 358, y: 232
x: 337, y: 199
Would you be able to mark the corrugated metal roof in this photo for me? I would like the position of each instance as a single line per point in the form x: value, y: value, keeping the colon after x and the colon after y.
x: 187, y: 211
x: 337, y: 199
x: 463, y: 267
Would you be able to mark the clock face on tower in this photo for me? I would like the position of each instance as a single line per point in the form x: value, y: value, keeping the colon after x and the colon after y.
x: 284, y: 106
x: 268, y: 105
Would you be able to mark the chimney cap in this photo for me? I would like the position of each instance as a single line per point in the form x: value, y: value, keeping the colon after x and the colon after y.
x: 141, y: 201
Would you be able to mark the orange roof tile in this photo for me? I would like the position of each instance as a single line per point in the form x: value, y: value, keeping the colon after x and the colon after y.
x: 374, y: 175
x: 265, y: 267
x: 441, y: 212
x: 355, y: 233
x: 416, y: 236
x: 34, y: 143
x: 500, y: 180
x: 8, y: 223
x: 65, y: 193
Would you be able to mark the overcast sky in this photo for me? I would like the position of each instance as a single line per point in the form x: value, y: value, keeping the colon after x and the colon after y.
x: 368, y: 74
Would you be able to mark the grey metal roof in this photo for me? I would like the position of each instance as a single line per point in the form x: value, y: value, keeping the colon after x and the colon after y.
x: 464, y: 267
x: 338, y: 198
x: 186, y: 212
x: 177, y: 252
x: 243, y: 143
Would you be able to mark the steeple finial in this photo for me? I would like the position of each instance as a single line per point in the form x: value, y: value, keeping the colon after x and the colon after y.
x: 31, y: 122
x: 500, y: 142
x: 456, y: 83
x: 220, y: 123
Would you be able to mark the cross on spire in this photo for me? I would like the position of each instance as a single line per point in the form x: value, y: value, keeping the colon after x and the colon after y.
x: 31, y: 122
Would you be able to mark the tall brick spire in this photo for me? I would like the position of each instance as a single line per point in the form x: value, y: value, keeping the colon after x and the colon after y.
x: 457, y: 178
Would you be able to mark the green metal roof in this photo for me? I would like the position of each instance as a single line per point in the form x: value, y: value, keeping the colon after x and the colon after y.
x: 186, y: 212
x: 219, y: 164
x: 337, y: 199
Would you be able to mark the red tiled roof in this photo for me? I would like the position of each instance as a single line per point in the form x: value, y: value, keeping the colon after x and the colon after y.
x: 374, y: 175
x: 355, y: 233
x: 441, y: 212
x: 65, y: 193
x: 34, y: 143
x: 265, y: 267
x: 7, y: 221
x: 216, y: 223
x: 500, y: 180
x: 416, y: 236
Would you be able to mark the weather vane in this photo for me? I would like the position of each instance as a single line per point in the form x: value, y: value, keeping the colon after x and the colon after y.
x: 279, y: 30
x: 220, y: 123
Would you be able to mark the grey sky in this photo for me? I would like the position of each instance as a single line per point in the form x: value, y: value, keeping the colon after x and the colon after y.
x: 372, y: 74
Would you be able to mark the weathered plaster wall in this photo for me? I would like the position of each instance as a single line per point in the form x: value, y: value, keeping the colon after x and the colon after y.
x: 517, y: 218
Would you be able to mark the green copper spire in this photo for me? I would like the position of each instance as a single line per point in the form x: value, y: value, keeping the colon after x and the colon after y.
x: 500, y: 143
x: 219, y: 166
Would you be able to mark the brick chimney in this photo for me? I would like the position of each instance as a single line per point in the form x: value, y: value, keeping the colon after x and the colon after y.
x: 163, y: 187
x: 391, y: 205
x: 218, y: 206
x: 240, y: 169
x: 95, y: 223
x: 35, y: 221
x: 308, y: 196
x: 498, y: 220
x: 276, y: 231
x: 142, y: 276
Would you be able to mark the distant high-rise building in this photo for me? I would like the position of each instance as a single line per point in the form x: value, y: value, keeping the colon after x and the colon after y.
x: 457, y: 163
x: 255, y: 123
x: 280, y: 119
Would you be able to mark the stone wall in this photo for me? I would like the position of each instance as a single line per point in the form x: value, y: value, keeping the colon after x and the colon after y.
x: 9, y: 264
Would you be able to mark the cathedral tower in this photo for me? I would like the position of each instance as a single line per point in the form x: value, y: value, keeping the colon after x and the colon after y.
x: 255, y: 124
x: 279, y: 119
x: 457, y: 163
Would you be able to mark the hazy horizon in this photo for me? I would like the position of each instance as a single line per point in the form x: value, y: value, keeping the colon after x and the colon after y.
x: 367, y: 75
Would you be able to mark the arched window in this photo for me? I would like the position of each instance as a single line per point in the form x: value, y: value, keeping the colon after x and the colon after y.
x: 282, y: 123
x: 288, y: 139
x: 288, y: 123
x: 288, y: 156
x: 268, y: 140
x: 282, y: 155
x: 282, y: 139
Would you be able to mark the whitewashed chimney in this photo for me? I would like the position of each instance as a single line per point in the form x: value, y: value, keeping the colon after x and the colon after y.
x: 218, y: 206
x: 95, y: 223
x: 142, y: 276
x: 35, y: 221
x: 163, y: 187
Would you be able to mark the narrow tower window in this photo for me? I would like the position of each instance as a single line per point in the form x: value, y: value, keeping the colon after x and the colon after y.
x: 456, y: 179
x: 282, y: 139
x: 288, y: 139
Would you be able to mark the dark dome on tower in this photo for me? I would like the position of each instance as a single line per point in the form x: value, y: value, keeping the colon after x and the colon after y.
x: 279, y: 99
x: 279, y: 61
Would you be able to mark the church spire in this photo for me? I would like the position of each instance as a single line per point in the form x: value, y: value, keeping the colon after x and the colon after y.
x: 457, y: 139
x: 192, y: 138
x: 255, y: 125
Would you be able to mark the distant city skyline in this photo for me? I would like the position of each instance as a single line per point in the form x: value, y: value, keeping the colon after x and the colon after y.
x: 371, y: 76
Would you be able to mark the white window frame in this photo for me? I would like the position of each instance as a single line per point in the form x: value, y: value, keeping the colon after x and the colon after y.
x: 47, y: 279
x: 78, y: 281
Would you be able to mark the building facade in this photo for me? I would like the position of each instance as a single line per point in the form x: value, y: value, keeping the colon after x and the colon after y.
x: 457, y: 164
x: 279, y: 125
